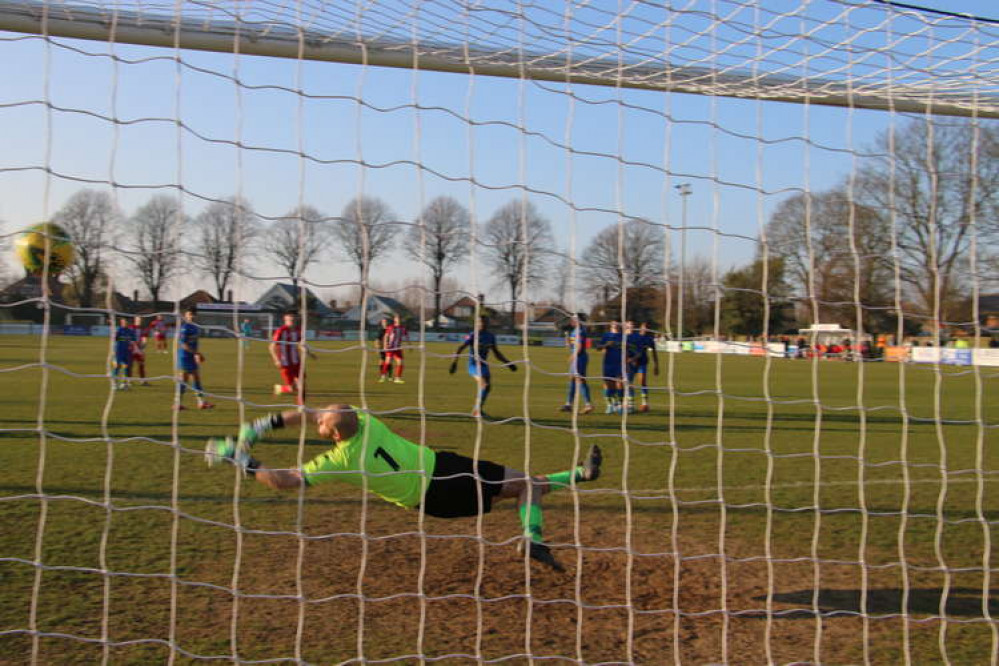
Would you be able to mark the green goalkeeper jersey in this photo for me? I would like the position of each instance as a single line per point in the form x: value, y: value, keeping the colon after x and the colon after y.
x: 379, y: 460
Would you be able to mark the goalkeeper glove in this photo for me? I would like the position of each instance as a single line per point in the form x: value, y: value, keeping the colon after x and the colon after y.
x: 251, y: 433
x: 219, y: 449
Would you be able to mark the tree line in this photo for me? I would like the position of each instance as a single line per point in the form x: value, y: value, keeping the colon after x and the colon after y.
x: 914, y: 229
x: 908, y: 238
x: 159, y: 241
x: 911, y: 229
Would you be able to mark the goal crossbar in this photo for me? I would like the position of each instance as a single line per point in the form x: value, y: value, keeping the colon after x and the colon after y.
x: 276, y: 38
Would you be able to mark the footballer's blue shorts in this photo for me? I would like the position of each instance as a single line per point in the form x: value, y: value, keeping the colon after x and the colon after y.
x: 577, y: 366
x: 123, y: 359
x: 479, y: 369
x: 640, y: 368
x: 186, y: 363
x: 612, y: 370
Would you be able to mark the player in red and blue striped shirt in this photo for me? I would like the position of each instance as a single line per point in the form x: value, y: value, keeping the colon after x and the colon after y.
x: 286, y: 352
x: 395, y: 334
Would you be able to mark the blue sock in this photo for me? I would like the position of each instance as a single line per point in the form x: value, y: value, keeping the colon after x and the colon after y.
x: 586, y: 393
x: 483, y: 394
x: 572, y: 392
x: 197, y: 388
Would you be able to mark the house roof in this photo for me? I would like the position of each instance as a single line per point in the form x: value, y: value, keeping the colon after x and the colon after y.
x: 390, y: 303
x: 543, y: 313
x: 196, y: 297
x: 464, y: 301
x: 287, y: 295
x: 377, y: 305
x: 31, y: 287
x: 988, y: 304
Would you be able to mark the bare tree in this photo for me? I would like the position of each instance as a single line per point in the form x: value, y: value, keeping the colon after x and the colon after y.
x: 89, y: 216
x: 988, y: 270
x: 439, y: 241
x: 364, y: 234
x: 699, y: 296
x: 297, y: 240
x: 565, y: 289
x: 412, y: 293
x: 519, y: 244
x: 151, y: 242
x: 625, y: 255
x: 226, y: 230
x: 940, y: 180
x: 836, y: 251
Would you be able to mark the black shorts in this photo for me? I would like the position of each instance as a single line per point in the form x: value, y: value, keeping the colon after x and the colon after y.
x: 454, y: 488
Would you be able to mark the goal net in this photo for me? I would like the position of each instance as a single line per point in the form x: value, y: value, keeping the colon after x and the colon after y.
x: 749, y: 249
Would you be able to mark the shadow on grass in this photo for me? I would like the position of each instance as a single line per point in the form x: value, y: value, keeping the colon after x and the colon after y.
x: 662, y: 507
x: 961, y: 602
x: 97, y: 494
x: 656, y: 421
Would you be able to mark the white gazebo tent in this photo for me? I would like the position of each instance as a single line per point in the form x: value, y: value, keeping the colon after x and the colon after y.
x: 827, y: 333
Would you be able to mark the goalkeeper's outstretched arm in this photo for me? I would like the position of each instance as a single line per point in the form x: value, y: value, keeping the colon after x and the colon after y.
x: 238, y: 452
x: 336, y: 423
x: 279, y: 479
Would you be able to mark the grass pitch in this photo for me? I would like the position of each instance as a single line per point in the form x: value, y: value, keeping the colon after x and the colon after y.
x: 783, y: 510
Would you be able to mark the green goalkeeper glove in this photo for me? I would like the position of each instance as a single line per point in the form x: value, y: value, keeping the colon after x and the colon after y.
x: 251, y: 433
x: 225, y: 449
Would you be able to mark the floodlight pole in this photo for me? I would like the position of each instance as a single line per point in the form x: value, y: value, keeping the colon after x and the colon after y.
x: 685, y: 190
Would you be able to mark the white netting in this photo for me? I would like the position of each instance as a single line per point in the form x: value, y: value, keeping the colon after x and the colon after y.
x: 811, y: 480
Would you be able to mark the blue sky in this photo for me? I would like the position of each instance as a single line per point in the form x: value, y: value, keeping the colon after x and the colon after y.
x: 741, y: 157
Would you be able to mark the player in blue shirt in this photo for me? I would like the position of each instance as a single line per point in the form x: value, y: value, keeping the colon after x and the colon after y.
x: 189, y: 360
x: 613, y: 370
x: 579, y: 357
x: 479, y: 344
x: 124, y: 345
x: 639, y: 345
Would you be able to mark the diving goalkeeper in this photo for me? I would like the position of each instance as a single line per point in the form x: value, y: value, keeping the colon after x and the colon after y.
x: 365, y: 453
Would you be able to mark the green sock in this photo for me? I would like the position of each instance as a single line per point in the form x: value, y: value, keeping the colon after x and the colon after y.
x: 532, y: 519
x: 565, y: 478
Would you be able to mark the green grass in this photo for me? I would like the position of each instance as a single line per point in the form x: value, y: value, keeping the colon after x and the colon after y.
x: 124, y: 490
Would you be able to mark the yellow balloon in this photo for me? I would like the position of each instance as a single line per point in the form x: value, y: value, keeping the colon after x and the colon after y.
x: 30, y: 247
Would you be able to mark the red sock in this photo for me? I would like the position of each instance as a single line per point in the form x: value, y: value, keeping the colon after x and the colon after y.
x: 398, y: 370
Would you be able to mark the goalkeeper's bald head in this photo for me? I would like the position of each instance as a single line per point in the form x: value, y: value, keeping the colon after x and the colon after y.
x: 337, y: 422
